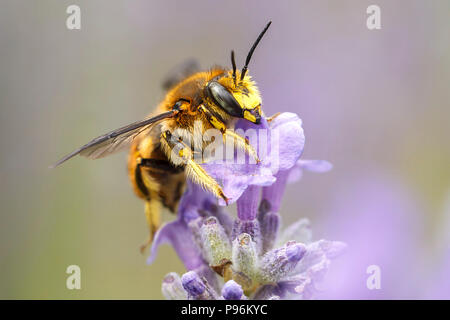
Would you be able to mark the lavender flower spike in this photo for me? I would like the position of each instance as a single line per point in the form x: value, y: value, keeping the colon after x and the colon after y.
x: 247, y: 258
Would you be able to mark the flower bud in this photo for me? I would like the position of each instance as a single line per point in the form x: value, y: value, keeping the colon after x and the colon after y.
x: 197, y: 288
x: 215, y: 241
x: 245, y: 256
x: 195, y: 226
x: 278, y: 263
x: 269, y: 224
x: 251, y: 227
x: 232, y: 291
x: 225, y: 220
x: 172, y: 288
x: 193, y: 284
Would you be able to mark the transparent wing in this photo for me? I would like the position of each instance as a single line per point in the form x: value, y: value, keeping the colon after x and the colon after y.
x: 115, y: 140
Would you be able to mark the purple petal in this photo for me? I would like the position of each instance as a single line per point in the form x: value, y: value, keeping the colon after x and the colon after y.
x: 274, y: 193
x: 315, y: 165
x: 247, y: 205
x: 294, y: 253
x: 178, y: 235
x: 291, y: 140
x: 235, y: 178
x: 284, y: 145
x: 318, y: 166
x: 194, y: 198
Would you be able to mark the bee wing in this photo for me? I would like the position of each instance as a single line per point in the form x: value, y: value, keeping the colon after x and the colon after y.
x: 115, y: 140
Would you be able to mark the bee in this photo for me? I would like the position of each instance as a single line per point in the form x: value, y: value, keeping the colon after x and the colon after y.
x: 217, y: 97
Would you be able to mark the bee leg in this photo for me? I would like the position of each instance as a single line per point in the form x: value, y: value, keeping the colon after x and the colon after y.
x: 194, y: 170
x: 152, y: 203
x: 201, y: 177
x: 153, y: 217
x: 241, y: 142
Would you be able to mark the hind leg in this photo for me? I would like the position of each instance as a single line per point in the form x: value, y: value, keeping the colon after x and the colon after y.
x: 155, y: 199
x: 153, y: 217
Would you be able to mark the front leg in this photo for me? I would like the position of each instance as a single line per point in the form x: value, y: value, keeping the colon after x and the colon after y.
x: 241, y: 142
x: 193, y: 169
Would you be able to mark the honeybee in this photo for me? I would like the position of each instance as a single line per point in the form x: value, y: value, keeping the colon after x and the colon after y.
x: 217, y: 98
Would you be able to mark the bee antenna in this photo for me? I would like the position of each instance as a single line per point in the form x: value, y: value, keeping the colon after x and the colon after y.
x: 250, y: 53
x: 233, y: 63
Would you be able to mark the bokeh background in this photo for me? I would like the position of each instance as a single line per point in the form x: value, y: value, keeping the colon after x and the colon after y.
x: 374, y: 103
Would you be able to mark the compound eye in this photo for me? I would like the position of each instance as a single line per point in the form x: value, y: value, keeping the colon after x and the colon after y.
x: 224, y: 99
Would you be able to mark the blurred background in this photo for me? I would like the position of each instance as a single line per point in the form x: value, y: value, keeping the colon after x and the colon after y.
x: 374, y: 103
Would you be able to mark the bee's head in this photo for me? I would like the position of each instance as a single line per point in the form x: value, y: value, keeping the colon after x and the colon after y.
x: 234, y: 92
x: 240, y: 101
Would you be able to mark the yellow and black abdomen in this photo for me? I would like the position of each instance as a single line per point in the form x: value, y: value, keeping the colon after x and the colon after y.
x: 151, y: 174
x: 154, y: 179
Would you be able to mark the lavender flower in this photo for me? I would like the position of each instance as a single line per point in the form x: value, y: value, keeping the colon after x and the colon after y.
x: 232, y: 291
x: 248, y: 255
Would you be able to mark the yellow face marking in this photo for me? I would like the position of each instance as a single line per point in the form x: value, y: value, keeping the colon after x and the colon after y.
x: 245, y: 92
x: 249, y: 116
